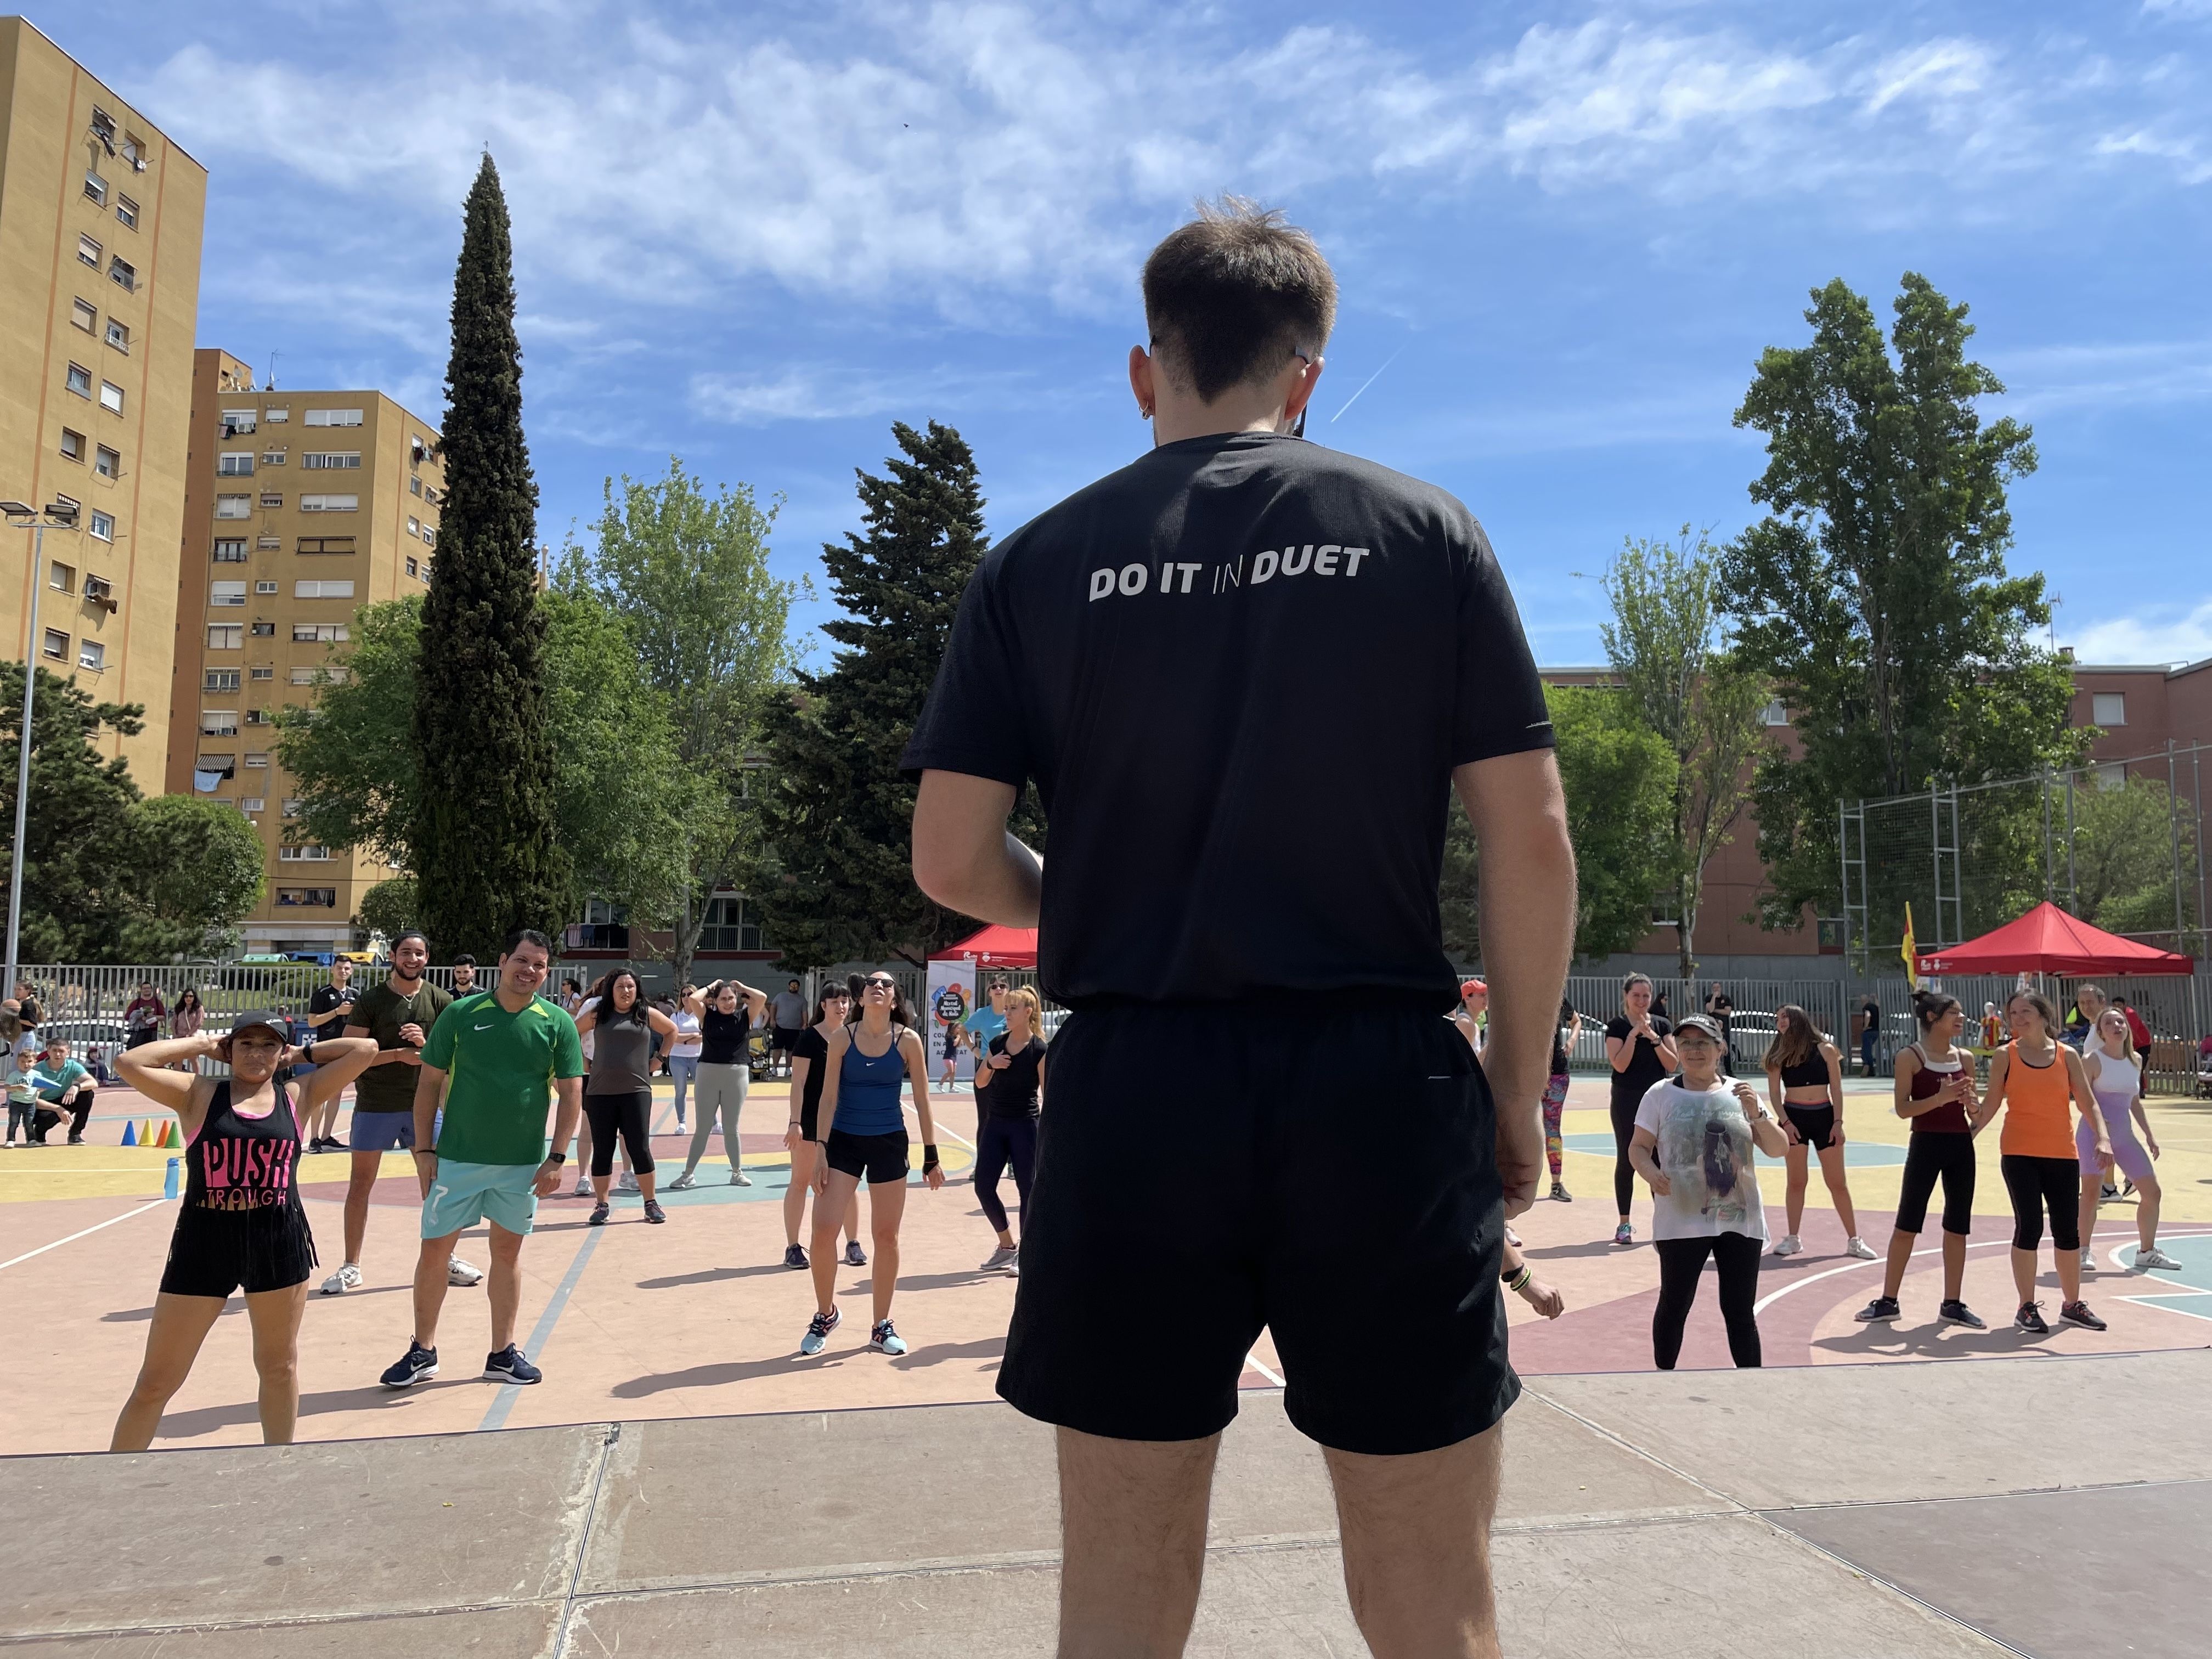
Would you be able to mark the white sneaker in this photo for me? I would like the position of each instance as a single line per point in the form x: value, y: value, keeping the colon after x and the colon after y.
x: 2089, y: 1260
x: 347, y: 1277
x: 583, y: 1186
x: 999, y: 1261
x: 1858, y: 1246
x: 626, y: 1183
x: 2154, y: 1257
x: 1790, y: 1245
x: 683, y: 1183
x: 738, y: 1177
x: 461, y: 1274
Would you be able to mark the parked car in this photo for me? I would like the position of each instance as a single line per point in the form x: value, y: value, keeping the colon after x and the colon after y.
x: 1750, y: 1031
x: 81, y: 1031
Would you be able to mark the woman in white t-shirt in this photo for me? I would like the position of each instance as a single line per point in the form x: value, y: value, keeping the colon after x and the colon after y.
x: 683, y: 1052
x: 1694, y: 1140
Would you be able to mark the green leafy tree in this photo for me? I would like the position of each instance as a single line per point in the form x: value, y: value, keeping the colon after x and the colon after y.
x: 351, y: 757
x: 2124, y: 856
x: 1618, y: 776
x: 390, y: 908
x: 686, y: 571
x: 199, y: 868
x: 1874, y: 595
x: 1665, y: 642
x: 484, y: 845
x: 837, y: 815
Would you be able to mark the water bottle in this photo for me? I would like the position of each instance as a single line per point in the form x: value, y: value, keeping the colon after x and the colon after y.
x: 171, y: 1182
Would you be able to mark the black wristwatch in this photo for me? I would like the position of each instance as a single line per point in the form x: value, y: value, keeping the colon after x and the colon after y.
x: 556, y: 1157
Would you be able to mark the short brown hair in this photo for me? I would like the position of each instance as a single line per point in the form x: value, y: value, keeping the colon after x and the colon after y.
x: 1231, y: 296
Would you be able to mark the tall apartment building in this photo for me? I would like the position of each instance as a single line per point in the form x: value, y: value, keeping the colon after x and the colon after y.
x: 300, y: 507
x: 100, y: 218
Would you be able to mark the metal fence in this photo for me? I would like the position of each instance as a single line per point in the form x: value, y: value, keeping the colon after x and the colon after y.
x: 85, y: 1003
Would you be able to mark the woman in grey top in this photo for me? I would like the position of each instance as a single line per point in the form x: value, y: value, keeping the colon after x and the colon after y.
x: 618, y: 1093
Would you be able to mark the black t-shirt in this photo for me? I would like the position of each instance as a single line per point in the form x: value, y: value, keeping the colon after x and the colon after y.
x: 813, y: 1048
x: 1644, y: 1069
x: 722, y: 1036
x: 1014, y: 1092
x: 1177, y: 657
x: 328, y: 999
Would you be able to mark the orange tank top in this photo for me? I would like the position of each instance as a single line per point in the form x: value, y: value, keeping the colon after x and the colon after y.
x: 2039, y: 1116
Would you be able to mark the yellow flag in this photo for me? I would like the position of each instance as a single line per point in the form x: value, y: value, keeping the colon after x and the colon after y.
x: 1910, y: 951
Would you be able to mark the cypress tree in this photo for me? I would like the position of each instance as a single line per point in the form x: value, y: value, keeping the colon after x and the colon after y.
x: 837, y: 817
x: 486, y: 856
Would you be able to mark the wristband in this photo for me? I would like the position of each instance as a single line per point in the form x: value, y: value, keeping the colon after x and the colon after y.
x: 426, y: 1151
x: 307, y: 1052
x: 928, y: 1157
x: 1519, y: 1279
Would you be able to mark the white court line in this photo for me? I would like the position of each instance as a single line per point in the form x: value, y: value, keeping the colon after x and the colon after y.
x: 951, y: 1134
x: 1274, y: 1376
x: 145, y: 1205
x: 1766, y: 1301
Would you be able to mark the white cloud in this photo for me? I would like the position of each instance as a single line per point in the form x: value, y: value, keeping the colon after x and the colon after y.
x: 2163, y: 633
x: 2133, y: 375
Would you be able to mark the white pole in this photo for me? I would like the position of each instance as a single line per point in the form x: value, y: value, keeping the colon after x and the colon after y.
x: 23, y: 755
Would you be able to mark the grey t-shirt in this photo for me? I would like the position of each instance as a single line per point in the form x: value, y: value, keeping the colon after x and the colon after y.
x: 787, y: 1010
x: 622, y: 1058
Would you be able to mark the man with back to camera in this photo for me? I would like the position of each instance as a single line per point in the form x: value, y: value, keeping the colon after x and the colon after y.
x: 1163, y: 655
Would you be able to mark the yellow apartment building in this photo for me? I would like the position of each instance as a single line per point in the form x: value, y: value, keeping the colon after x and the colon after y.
x: 300, y: 507
x: 100, y: 216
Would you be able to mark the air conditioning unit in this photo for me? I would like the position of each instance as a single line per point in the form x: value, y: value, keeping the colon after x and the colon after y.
x: 100, y: 591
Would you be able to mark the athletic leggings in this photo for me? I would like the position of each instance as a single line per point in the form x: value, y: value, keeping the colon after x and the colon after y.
x: 1555, y: 1101
x: 721, y: 1089
x: 1624, y: 1172
x: 1681, y: 1261
x: 629, y: 1115
x: 999, y: 1142
x: 2036, y: 1184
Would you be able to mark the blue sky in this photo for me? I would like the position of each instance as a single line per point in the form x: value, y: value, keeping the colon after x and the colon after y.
x: 754, y: 236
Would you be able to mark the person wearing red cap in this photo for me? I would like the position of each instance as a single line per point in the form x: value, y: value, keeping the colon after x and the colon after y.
x: 1473, y: 1015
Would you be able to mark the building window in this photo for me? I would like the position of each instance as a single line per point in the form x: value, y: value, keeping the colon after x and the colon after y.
x: 57, y: 645
x: 234, y: 463
x: 272, y: 457
x: 414, y: 485
x: 95, y: 187
x: 430, y: 496
x: 230, y: 550
x: 311, y: 853
x: 233, y: 506
x: 257, y: 759
x: 304, y: 673
x: 328, y: 460
x: 219, y: 679
x: 257, y: 717
x: 729, y: 927
x: 275, y: 416
x: 264, y: 673
x: 122, y: 273
x: 319, y: 632
x: 291, y: 808
x: 265, y: 630
x: 2108, y: 709
x: 414, y: 525
x: 272, y: 499
x: 119, y: 336
x: 237, y: 423
x: 62, y: 578
x: 111, y: 397
x: 410, y: 568
x: 333, y: 417
x: 106, y: 463
x: 72, y: 445
x: 223, y: 595
x: 223, y: 766
x: 87, y: 252
x: 86, y: 316
x: 91, y: 654
x: 430, y: 534
x: 325, y: 544
x: 79, y: 379
x: 269, y: 544
x: 218, y: 723
x: 225, y: 636
x: 253, y: 803
x: 103, y: 128
x: 323, y: 590
x: 306, y: 898
x: 103, y: 526
x: 127, y: 211
x: 267, y: 587
x: 330, y: 503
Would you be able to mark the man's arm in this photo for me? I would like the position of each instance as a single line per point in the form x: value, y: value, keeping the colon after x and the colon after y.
x: 429, y: 1090
x: 963, y: 856
x: 1519, y: 814
x: 567, y: 1107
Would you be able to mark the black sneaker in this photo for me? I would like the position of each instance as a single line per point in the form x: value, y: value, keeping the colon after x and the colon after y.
x: 599, y: 1216
x: 2030, y: 1319
x: 420, y: 1365
x: 854, y: 1255
x: 511, y: 1364
x: 2077, y: 1313
x: 1882, y: 1307
x: 1958, y: 1313
x: 653, y: 1212
x: 794, y: 1255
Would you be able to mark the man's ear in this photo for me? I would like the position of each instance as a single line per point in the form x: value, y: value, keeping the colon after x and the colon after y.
x: 1141, y: 381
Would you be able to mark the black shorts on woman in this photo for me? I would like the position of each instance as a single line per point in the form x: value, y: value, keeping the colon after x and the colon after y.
x: 1253, y: 1183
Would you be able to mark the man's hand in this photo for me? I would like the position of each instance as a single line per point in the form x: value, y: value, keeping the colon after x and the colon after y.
x: 549, y: 1179
x: 1520, y: 1153
x: 426, y: 1169
x: 412, y: 1034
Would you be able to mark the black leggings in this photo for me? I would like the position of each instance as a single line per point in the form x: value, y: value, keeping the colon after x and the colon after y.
x: 2039, y: 1183
x: 627, y: 1115
x: 1681, y: 1262
x: 1930, y: 1155
x: 999, y: 1142
x: 1624, y: 1172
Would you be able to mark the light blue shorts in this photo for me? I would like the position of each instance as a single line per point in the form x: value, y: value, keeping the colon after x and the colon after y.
x: 463, y: 1194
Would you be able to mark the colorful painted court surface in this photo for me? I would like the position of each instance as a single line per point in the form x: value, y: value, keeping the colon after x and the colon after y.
x: 701, y: 1318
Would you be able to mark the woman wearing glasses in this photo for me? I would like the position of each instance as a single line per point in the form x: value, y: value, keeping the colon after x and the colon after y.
x: 863, y: 1134
x: 807, y: 1054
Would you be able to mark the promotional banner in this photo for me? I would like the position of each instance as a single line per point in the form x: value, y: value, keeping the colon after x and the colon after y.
x: 949, y: 999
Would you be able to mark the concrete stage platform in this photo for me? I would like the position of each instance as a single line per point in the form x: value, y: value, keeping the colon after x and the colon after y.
x: 2052, y: 1506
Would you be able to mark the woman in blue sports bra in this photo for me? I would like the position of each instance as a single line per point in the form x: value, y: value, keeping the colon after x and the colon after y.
x: 861, y: 1127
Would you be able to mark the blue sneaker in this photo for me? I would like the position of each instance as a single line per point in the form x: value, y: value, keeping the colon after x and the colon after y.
x: 511, y: 1364
x: 421, y: 1364
x: 817, y: 1332
x: 884, y: 1340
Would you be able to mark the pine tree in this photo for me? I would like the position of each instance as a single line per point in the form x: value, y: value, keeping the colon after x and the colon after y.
x: 485, y: 851
x: 837, y: 815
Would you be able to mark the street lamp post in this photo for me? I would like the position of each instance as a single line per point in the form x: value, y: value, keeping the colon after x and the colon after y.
x: 21, y: 515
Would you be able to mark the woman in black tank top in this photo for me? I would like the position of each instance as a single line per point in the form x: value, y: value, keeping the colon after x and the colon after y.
x: 1805, y: 1075
x: 241, y: 1224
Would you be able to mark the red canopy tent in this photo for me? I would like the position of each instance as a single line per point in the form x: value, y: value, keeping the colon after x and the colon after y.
x: 998, y: 947
x: 2046, y: 941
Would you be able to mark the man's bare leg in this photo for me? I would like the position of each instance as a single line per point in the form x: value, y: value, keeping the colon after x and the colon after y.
x: 1416, y: 1548
x: 1132, y: 1543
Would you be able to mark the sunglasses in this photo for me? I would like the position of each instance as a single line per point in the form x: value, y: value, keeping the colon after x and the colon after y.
x: 880, y: 984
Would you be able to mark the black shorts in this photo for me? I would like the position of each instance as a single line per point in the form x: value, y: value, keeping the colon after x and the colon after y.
x: 215, y: 1252
x: 881, y: 1159
x: 1928, y: 1154
x: 785, y: 1038
x: 1815, y: 1124
x: 1251, y: 1183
